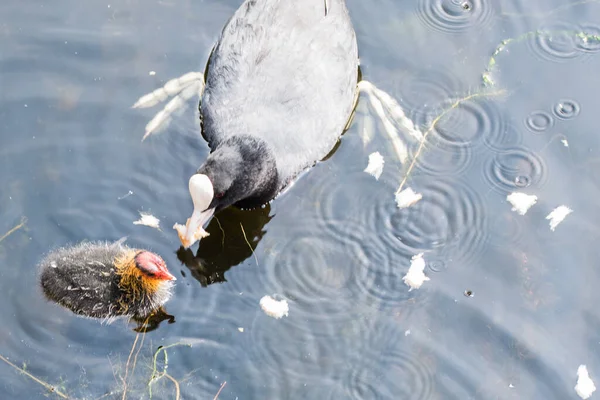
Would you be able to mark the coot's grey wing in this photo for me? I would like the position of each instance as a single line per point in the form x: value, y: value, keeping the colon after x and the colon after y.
x: 285, y: 72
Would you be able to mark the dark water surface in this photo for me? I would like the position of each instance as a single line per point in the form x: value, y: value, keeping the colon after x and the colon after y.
x: 335, y: 245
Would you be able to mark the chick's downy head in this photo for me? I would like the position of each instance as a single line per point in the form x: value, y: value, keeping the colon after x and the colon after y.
x: 142, y: 273
x: 152, y: 266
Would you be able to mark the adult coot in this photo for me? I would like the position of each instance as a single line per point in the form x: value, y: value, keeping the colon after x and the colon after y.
x: 281, y: 85
x: 280, y: 88
x: 106, y: 280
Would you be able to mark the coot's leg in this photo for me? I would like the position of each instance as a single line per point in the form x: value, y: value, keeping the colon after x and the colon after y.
x: 391, y: 115
x: 183, y: 88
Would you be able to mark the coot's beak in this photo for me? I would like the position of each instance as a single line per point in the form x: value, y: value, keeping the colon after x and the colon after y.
x: 201, y: 190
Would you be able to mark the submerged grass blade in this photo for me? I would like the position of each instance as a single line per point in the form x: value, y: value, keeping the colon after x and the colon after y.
x: 14, y: 229
x: 48, y: 386
x: 434, y: 123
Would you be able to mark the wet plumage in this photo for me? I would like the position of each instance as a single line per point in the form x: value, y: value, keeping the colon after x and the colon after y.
x: 106, y: 280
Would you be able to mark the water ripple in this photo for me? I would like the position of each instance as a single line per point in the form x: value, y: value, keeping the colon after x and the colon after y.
x: 437, y: 162
x: 287, y: 355
x: 555, y: 42
x: 508, y: 229
x: 472, y: 123
x: 454, y: 16
x: 427, y: 88
x: 450, y: 221
x: 388, y: 367
x: 337, y: 265
x: 514, y: 169
x: 539, y: 121
x: 340, y: 200
x: 588, y: 42
x: 566, y: 109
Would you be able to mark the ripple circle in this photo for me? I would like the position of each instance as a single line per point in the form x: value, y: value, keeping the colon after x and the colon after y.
x: 557, y: 42
x: 508, y: 229
x: 566, y: 109
x: 515, y: 169
x: 589, y: 40
x: 471, y: 124
x: 539, y: 121
x: 271, y: 344
x: 331, y: 272
x: 437, y: 162
x: 427, y: 88
x: 455, y: 16
x: 449, y: 220
x: 383, y: 368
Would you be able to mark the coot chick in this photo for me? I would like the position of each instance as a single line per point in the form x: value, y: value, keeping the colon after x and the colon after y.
x: 281, y: 85
x: 106, y: 280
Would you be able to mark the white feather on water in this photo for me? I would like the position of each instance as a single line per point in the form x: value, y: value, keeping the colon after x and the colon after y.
x: 148, y: 220
x: 558, y: 215
x: 407, y: 198
x: 521, y: 202
x: 585, y: 386
x: 375, y: 166
x: 415, y: 277
x: 274, y: 308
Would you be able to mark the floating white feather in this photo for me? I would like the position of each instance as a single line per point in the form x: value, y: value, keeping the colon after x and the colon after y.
x: 407, y: 198
x: 558, y: 215
x: 415, y: 277
x: 375, y: 166
x: 585, y: 386
x: 521, y: 202
x: 274, y: 308
x: 148, y: 220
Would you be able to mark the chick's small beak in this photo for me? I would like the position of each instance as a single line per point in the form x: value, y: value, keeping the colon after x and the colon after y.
x: 167, y: 276
x: 201, y: 191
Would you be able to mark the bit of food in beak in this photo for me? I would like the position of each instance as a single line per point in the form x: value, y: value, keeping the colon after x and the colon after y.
x: 201, y: 191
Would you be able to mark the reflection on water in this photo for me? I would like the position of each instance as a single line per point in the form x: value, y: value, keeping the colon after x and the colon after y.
x: 233, y: 236
x: 335, y: 245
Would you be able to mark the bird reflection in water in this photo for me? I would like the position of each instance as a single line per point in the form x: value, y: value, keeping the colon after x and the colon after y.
x: 152, y: 321
x: 233, y: 237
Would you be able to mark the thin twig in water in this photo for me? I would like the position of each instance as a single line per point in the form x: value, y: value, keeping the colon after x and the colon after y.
x: 177, y: 391
x: 223, y: 232
x: 127, y: 366
x: 249, y: 245
x: 14, y: 229
x: 48, y: 386
x: 219, y: 392
x: 433, y: 124
x: 139, y: 347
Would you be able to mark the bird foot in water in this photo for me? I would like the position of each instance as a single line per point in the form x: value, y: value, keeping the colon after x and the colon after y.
x: 391, y: 115
x: 183, y: 88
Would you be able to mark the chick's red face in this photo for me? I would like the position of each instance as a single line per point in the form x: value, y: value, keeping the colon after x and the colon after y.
x: 153, y: 266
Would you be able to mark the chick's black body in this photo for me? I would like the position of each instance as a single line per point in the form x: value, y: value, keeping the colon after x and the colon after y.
x: 281, y: 85
x: 84, y: 279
